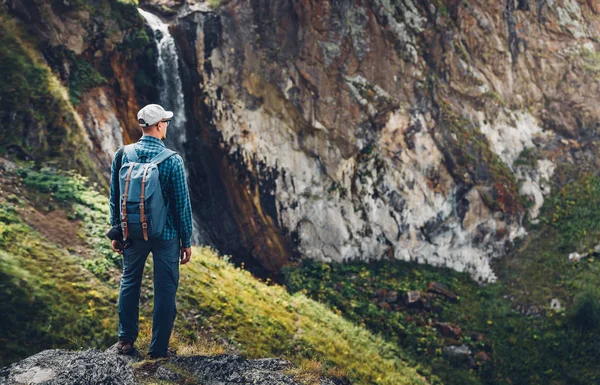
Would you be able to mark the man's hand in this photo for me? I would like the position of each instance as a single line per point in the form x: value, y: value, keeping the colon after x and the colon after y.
x: 185, y: 255
x: 117, y: 247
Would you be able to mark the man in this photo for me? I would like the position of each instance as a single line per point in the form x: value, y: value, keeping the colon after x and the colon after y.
x: 169, y: 250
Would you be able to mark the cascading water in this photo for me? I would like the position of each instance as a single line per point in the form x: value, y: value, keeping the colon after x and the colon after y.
x: 170, y: 90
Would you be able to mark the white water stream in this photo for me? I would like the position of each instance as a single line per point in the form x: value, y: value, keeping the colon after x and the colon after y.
x: 170, y: 89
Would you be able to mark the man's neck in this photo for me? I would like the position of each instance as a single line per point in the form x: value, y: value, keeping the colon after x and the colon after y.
x: 152, y: 135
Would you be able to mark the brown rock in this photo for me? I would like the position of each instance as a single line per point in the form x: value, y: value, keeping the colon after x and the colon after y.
x: 413, y: 297
x: 482, y: 357
x: 441, y: 289
x: 449, y: 330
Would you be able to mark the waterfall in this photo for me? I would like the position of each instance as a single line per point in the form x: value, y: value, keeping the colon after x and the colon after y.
x: 170, y: 90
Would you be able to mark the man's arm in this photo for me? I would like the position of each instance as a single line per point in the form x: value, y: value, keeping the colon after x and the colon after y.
x: 115, y: 210
x: 183, y: 207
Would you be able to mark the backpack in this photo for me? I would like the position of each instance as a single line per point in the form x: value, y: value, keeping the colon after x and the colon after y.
x: 143, y: 209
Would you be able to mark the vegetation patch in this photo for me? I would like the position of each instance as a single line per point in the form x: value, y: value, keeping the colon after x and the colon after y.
x: 537, y: 325
x: 216, y: 300
x: 46, y: 298
x: 472, y: 162
x: 39, y: 121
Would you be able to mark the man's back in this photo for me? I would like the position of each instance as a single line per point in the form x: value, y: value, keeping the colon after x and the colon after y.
x: 174, y: 188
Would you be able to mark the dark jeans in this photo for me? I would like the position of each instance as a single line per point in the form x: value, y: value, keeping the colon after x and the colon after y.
x: 166, y: 279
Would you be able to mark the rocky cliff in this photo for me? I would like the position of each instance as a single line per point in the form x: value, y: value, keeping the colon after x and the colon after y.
x: 428, y: 131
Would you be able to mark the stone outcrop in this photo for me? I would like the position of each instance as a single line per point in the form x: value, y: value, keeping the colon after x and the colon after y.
x: 424, y: 131
x: 66, y: 367
x: 93, y: 367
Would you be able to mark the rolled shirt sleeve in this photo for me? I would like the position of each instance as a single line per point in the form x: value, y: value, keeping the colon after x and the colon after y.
x: 183, y: 207
x: 115, y: 211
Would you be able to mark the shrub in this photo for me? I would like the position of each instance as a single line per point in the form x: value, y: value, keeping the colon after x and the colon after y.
x: 586, y: 312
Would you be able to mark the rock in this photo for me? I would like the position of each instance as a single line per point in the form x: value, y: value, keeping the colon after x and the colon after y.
x: 165, y: 374
x: 7, y: 166
x: 482, y: 357
x: 575, y: 257
x: 229, y: 368
x: 457, y: 351
x: 62, y: 367
x: 527, y: 310
x: 449, y: 330
x: 93, y: 367
x: 389, y: 296
x: 555, y: 304
x: 441, y: 289
x: 413, y: 297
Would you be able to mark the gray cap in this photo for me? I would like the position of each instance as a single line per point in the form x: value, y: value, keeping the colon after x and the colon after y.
x: 152, y: 114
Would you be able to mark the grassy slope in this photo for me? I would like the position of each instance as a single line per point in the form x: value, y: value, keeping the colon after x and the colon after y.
x: 515, y: 336
x: 61, y: 295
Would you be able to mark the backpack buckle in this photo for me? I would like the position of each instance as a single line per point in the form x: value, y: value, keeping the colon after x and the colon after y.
x: 125, y: 224
x: 144, y: 225
x: 142, y: 206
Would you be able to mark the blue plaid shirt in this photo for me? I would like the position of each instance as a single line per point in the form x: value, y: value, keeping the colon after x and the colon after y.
x: 174, y: 187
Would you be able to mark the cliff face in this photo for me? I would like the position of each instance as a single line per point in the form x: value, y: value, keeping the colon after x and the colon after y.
x: 428, y: 131
x: 75, y: 73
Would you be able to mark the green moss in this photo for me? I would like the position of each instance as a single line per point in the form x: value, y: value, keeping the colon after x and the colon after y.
x: 527, y: 157
x: 591, y: 62
x: 441, y: 8
x: 39, y: 120
x: 214, y: 3
x: 126, y: 14
x: 471, y: 160
x: 83, y: 77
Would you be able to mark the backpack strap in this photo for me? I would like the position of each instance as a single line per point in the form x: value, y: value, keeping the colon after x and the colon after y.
x: 142, y: 209
x: 162, y: 156
x: 130, y: 152
x: 124, y: 204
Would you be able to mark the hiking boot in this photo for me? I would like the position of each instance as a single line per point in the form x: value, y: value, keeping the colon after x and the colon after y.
x: 170, y: 353
x: 125, y: 347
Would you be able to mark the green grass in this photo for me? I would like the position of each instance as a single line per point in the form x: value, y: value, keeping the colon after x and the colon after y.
x: 257, y: 318
x: 46, y: 298
x: 544, y: 347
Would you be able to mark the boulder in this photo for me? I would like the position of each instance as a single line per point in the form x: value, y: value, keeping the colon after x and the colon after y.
x: 443, y: 290
x: 54, y: 367
x: 92, y: 367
